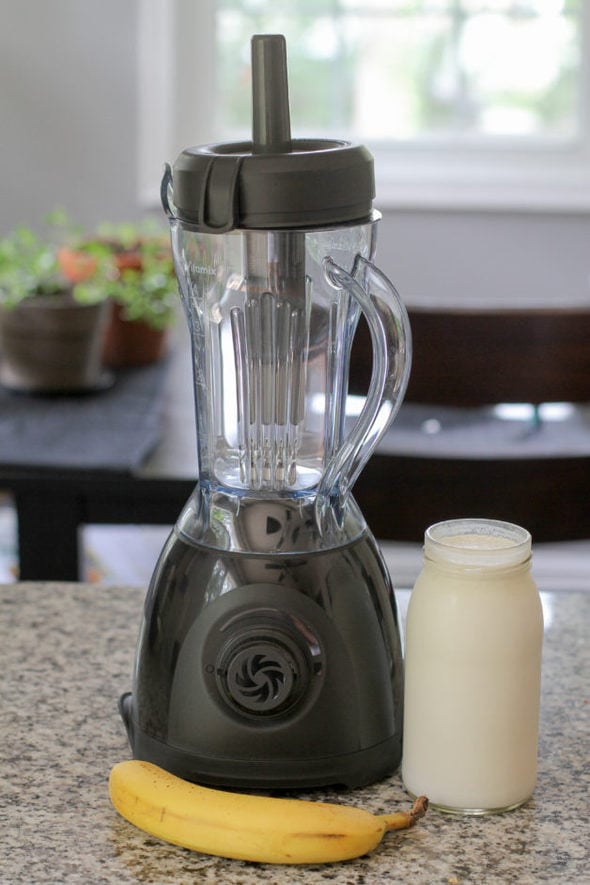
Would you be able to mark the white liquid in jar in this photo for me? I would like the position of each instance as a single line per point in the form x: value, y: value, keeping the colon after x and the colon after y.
x: 472, y: 679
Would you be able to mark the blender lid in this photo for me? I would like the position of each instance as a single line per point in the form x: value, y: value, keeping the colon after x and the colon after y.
x: 273, y: 181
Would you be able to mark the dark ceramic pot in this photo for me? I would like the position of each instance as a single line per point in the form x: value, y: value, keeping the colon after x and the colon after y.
x: 52, y: 344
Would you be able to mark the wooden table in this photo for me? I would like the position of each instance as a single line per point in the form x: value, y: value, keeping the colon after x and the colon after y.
x: 473, y: 464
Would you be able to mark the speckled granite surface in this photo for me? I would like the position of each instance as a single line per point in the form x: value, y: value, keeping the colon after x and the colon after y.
x: 66, y: 654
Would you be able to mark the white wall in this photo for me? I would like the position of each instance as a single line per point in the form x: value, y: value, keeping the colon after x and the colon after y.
x: 488, y: 257
x: 68, y: 136
x: 68, y: 115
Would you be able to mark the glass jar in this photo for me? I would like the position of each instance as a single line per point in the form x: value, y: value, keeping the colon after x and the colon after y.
x: 473, y: 665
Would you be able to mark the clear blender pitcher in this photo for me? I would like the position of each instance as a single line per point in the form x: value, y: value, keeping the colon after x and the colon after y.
x: 270, y: 651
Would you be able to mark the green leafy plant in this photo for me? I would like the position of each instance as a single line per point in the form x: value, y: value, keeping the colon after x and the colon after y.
x: 130, y: 264
x: 28, y: 268
x: 145, y: 289
x: 125, y: 236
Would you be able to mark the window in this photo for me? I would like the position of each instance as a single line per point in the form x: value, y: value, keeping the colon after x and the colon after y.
x: 464, y: 103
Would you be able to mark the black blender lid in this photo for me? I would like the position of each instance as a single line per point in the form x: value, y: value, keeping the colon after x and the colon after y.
x: 274, y: 181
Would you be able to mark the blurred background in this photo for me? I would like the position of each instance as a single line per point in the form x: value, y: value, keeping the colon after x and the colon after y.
x: 476, y: 112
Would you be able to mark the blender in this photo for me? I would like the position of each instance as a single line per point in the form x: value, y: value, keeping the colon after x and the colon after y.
x: 269, y: 654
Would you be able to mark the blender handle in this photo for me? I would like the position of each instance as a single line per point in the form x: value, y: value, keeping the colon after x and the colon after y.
x: 391, y: 337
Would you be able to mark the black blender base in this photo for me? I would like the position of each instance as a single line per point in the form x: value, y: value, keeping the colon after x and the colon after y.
x: 350, y: 770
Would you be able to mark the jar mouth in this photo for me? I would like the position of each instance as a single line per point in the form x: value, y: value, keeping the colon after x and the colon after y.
x: 478, y: 542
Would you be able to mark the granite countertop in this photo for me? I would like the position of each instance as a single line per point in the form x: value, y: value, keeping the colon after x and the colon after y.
x: 66, y: 656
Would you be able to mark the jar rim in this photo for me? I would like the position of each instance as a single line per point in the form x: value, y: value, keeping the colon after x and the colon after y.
x: 478, y: 542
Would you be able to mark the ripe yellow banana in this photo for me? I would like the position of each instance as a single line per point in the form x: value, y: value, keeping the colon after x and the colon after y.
x: 247, y: 827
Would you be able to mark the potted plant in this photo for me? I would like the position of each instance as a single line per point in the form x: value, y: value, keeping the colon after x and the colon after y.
x: 49, y: 342
x: 132, y: 266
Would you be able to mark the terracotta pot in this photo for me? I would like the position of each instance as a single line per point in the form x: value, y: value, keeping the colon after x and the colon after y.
x: 128, y: 261
x: 130, y: 343
x: 52, y: 344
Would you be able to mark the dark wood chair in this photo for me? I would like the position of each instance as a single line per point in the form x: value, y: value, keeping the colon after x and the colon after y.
x: 465, y: 363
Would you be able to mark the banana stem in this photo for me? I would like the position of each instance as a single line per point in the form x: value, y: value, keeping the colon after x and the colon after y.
x: 401, y: 820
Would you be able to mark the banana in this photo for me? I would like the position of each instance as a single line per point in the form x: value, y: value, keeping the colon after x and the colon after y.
x: 247, y: 827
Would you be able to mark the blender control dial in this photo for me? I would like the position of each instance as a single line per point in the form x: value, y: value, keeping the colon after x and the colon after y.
x: 262, y: 664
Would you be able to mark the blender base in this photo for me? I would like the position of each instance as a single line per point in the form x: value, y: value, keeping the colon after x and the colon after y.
x: 269, y: 671
x: 350, y: 770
